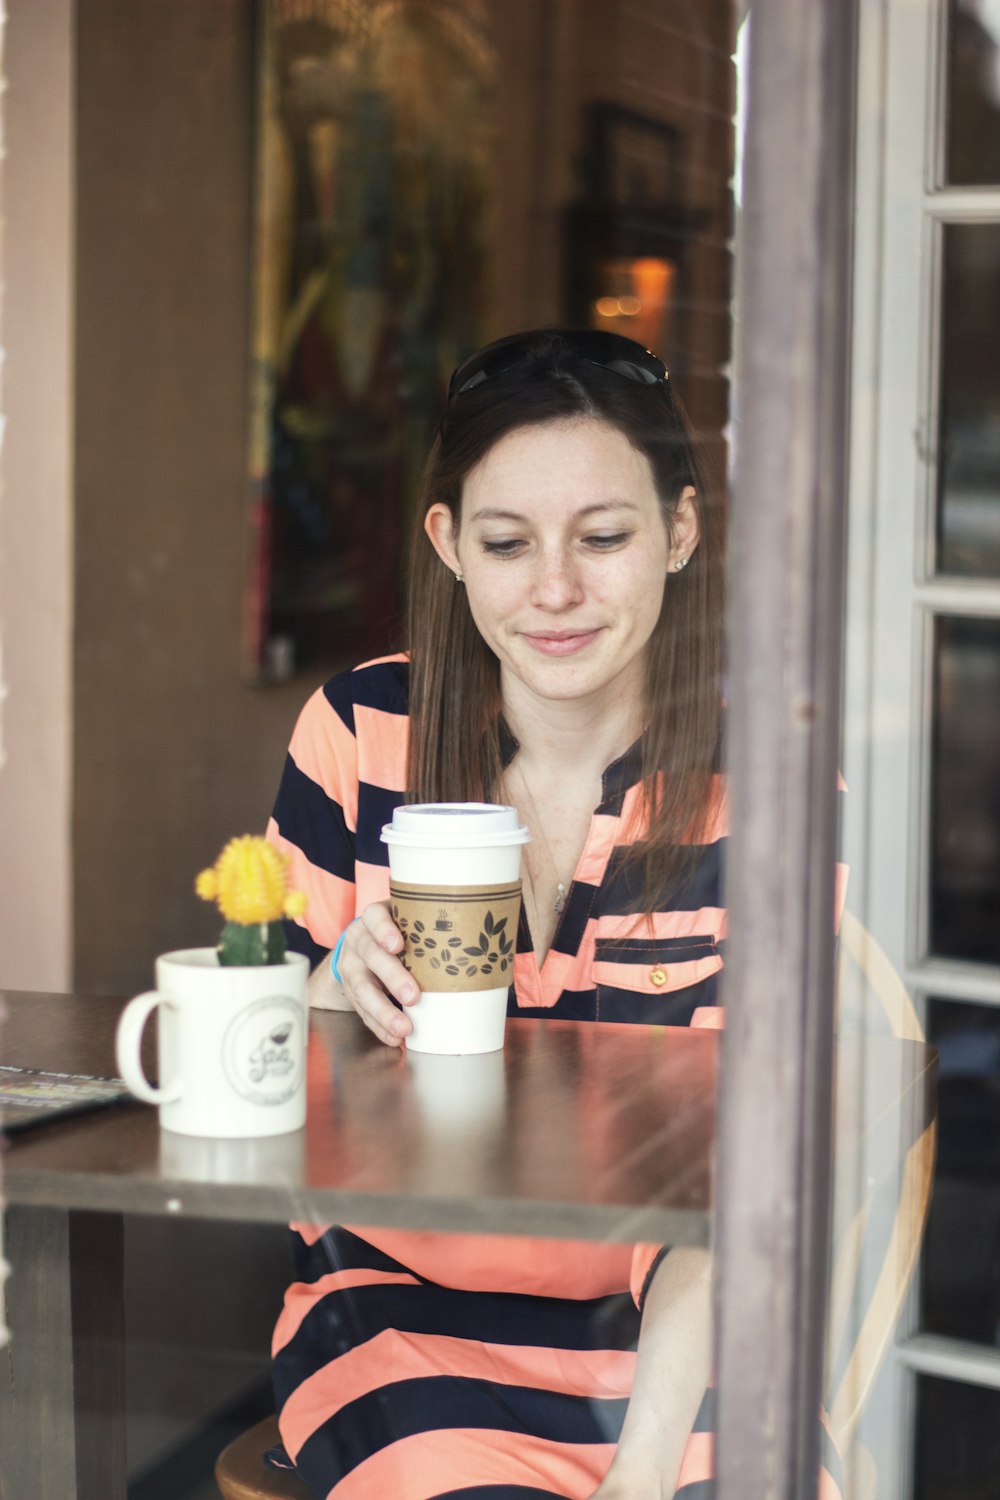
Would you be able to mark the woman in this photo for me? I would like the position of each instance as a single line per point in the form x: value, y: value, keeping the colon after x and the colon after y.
x: 565, y: 646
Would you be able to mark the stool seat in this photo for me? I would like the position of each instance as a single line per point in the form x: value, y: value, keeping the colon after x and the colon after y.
x: 241, y: 1474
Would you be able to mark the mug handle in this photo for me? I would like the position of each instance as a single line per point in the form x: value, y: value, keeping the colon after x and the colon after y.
x: 131, y: 1024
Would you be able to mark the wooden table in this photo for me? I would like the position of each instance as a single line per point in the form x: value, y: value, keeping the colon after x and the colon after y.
x: 573, y: 1131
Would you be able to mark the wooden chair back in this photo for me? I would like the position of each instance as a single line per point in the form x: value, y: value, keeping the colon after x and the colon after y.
x: 898, y: 1222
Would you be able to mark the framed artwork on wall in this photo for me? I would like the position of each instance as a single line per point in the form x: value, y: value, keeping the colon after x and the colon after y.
x: 370, y: 244
x: 629, y: 232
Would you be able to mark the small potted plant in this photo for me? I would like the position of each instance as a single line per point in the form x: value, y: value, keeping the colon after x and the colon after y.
x: 249, y: 885
x: 232, y: 1020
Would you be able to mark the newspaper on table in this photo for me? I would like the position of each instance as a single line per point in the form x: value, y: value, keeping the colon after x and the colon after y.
x: 33, y: 1096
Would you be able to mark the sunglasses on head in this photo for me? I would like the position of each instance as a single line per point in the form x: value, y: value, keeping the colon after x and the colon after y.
x: 611, y: 351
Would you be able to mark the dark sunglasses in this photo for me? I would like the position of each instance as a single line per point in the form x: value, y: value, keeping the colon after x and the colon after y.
x: 611, y: 351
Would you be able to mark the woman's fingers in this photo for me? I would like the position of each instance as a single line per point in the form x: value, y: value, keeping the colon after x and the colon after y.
x: 377, y: 921
x: 372, y: 973
x: 380, y: 1015
x: 377, y: 943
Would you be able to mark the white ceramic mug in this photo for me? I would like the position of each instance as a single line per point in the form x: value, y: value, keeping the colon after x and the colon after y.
x: 232, y: 1045
x: 455, y: 893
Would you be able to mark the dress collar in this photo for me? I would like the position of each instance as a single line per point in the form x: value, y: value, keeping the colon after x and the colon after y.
x: 616, y: 778
x: 623, y: 773
x: 509, y: 743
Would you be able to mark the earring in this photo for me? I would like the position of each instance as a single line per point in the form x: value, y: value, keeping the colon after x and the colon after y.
x: 459, y: 578
x: 680, y: 563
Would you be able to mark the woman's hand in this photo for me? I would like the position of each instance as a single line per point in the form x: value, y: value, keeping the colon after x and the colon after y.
x: 371, y: 972
x: 622, y: 1483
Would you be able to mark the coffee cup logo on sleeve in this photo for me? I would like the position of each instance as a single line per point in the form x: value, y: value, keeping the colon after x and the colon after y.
x: 458, y: 939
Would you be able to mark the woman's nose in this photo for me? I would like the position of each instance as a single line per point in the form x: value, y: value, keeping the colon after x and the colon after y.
x: 558, y: 581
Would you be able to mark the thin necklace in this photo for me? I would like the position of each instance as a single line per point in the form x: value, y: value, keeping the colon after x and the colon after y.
x: 561, y: 893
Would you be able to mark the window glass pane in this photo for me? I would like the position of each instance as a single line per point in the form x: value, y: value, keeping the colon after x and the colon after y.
x: 960, y: 1290
x: 426, y: 175
x: 973, y: 100
x: 969, y: 432
x: 965, y: 843
x: 957, y: 1454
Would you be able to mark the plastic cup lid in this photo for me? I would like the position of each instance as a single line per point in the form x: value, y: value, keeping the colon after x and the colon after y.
x: 455, y: 825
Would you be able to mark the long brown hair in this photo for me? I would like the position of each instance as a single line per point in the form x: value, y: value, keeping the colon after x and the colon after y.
x: 455, y: 701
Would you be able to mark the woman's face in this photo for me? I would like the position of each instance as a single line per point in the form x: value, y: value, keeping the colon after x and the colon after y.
x: 565, y: 555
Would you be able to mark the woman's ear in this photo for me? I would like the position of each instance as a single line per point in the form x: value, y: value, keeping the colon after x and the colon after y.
x: 439, y: 525
x: 685, y: 529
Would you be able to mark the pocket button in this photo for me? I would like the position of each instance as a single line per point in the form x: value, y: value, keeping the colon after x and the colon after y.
x: 658, y: 976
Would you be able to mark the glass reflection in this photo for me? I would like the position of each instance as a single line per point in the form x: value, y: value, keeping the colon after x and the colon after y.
x: 965, y: 842
x: 973, y: 103
x: 960, y: 1291
x: 957, y: 1454
x: 371, y: 273
x: 969, y: 445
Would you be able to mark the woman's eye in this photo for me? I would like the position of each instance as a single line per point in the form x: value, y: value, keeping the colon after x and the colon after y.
x: 502, y: 549
x: 602, y: 541
x: 606, y: 541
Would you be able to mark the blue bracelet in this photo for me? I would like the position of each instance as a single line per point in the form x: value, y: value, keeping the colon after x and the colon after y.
x: 336, y: 952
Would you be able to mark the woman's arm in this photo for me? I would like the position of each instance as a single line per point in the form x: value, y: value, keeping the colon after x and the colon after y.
x: 313, y: 823
x: 673, y: 1368
x: 323, y: 990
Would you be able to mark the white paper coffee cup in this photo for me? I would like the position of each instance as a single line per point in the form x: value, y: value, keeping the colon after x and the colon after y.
x: 455, y: 891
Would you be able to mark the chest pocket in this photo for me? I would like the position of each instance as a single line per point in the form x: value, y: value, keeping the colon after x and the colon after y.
x: 655, y: 965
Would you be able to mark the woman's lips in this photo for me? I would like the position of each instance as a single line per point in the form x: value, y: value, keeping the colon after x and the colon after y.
x: 561, y: 642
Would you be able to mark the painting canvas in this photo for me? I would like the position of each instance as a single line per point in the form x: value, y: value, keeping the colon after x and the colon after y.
x: 372, y: 221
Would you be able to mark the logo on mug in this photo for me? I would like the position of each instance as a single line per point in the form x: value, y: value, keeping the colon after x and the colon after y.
x: 262, y: 1050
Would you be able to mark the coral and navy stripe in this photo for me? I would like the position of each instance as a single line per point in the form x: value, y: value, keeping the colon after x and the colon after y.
x: 346, y: 773
x: 434, y: 1367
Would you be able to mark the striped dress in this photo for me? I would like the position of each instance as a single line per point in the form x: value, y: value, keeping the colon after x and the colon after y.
x: 422, y: 1366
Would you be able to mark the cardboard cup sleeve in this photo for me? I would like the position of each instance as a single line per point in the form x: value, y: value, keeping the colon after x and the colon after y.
x: 458, y: 938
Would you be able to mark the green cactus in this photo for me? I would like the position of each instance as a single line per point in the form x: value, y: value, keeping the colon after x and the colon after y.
x: 249, y: 885
x: 259, y: 943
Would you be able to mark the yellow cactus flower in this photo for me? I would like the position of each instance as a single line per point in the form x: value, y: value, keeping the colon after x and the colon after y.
x: 249, y: 881
x: 296, y: 903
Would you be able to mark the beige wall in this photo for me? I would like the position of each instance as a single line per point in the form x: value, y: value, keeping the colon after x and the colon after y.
x: 173, y: 753
x: 36, y: 522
